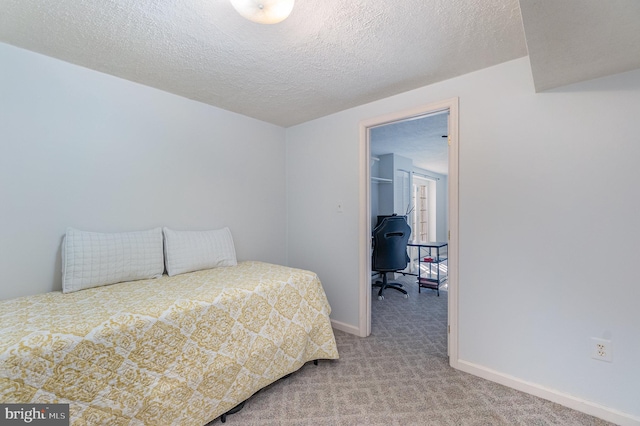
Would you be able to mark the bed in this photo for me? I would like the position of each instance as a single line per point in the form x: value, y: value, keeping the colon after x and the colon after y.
x: 174, y: 350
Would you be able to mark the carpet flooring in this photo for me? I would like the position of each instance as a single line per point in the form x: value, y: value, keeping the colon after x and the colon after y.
x: 399, y: 375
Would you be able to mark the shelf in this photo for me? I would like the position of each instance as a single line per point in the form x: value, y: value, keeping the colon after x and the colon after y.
x: 432, y: 267
x: 438, y: 260
x: 381, y: 180
x: 429, y: 281
x: 430, y: 284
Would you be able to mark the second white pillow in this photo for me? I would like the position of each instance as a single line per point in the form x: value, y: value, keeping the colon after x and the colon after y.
x: 187, y: 251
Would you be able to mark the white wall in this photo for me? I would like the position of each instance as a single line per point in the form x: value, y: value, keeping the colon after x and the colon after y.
x: 548, y: 182
x: 322, y: 172
x: 402, y: 167
x: 391, y: 196
x: 375, y: 191
x: 83, y: 149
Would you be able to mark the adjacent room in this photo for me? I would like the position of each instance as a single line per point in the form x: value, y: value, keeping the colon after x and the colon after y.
x: 409, y: 163
x: 236, y: 141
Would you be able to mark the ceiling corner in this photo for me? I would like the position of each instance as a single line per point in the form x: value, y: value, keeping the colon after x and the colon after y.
x: 578, y: 40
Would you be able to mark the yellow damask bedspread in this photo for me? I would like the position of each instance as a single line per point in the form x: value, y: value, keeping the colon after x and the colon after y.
x: 176, y: 350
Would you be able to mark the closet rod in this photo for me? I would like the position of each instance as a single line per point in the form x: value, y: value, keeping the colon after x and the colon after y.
x: 419, y: 174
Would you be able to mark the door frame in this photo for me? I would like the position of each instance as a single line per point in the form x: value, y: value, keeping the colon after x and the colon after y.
x: 364, y: 326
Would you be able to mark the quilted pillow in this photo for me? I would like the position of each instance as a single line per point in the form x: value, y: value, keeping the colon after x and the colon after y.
x: 93, y: 259
x: 187, y: 251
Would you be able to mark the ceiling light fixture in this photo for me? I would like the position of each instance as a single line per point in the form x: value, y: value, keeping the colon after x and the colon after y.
x: 264, y: 11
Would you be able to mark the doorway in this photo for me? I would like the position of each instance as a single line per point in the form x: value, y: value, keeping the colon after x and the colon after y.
x: 451, y: 107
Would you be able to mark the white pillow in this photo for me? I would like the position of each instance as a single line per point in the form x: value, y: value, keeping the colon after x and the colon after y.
x: 187, y: 251
x: 92, y: 259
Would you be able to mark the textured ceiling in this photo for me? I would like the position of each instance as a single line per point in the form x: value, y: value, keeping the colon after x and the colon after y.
x: 577, y: 40
x: 419, y: 139
x: 329, y: 55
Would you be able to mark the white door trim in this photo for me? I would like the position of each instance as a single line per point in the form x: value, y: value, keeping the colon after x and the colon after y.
x: 364, y: 308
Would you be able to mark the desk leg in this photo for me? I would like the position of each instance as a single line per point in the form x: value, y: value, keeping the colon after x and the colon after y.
x: 419, y: 268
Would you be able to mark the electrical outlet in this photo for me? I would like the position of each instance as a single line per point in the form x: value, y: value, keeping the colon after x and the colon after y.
x: 601, y: 349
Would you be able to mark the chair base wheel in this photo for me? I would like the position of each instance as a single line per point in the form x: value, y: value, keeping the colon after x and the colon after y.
x: 384, y: 284
x: 406, y: 296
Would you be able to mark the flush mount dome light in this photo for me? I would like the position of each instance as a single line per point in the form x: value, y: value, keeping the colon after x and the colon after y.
x: 264, y: 11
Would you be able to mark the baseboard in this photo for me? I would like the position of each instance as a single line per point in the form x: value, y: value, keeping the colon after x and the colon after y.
x: 578, y: 404
x: 347, y: 328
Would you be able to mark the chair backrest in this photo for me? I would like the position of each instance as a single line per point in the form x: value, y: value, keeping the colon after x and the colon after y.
x: 390, y: 240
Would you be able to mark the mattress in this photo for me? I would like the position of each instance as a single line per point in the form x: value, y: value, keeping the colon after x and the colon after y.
x: 178, y: 350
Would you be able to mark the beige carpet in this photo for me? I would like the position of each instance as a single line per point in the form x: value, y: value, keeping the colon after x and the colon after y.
x: 398, y: 376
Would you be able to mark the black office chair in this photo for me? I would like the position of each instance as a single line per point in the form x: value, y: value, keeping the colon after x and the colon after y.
x: 390, y: 239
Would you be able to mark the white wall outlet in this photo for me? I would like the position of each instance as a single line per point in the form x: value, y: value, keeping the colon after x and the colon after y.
x: 601, y: 349
x: 340, y: 208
